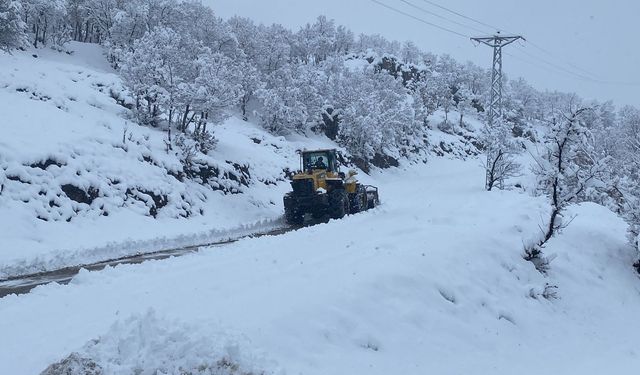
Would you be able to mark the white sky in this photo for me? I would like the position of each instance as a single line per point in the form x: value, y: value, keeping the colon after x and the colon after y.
x: 597, y: 37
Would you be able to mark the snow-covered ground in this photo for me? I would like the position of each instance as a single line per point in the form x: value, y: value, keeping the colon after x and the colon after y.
x: 432, y: 281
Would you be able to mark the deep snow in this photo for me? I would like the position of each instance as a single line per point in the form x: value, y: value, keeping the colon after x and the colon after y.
x: 433, y: 281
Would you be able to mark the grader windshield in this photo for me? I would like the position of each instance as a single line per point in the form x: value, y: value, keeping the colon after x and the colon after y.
x: 324, y: 159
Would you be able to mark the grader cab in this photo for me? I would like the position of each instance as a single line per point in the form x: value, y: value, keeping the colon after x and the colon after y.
x: 320, y: 189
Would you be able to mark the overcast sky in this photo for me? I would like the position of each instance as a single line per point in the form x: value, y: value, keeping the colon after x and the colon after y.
x: 593, y: 39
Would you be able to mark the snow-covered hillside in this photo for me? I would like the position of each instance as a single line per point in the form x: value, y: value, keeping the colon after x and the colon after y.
x: 433, y: 281
x: 80, y: 182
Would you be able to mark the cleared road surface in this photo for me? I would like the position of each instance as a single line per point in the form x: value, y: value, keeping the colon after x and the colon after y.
x: 24, y: 283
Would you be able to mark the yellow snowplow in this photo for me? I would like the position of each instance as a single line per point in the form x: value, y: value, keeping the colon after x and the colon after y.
x: 321, y: 189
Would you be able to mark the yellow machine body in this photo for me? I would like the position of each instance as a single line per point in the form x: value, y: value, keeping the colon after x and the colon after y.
x: 321, y: 189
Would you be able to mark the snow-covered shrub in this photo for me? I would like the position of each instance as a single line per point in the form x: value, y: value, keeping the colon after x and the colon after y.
x: 205, y: 140
x: 549, y: 292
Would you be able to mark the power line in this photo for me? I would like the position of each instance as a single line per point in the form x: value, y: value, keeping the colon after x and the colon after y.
x: 546, y: 69
x: 420, y: 19
x: 578, y: 75
x: 552, y: 55
x: 493, y: 28
x: 587, y: 76
x: 441, y: 16
x: 561, y: 69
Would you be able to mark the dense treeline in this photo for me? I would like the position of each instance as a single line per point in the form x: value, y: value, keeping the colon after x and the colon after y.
x: 187, y: 69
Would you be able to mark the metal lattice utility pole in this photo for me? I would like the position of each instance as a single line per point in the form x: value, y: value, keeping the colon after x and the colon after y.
x: 497, y: 42
x: 495, y: 106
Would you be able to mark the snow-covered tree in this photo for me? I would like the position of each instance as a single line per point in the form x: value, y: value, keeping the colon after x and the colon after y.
x: 625, y: 147
x: 47, y: 21
x: 292, y: 101
x: 376, y: 111
x: 12, y: 27
x: 446, y: 82
x: 200, y: 22
x: 423, y: 91
x: 315, y: 42
x: 100, y: 17
x: 129, y: 24
x: 520, y: 97
x: 410, y: 53
x: 152, y: 72
x: 217, y: 87
x: 566, y: 170
x: 250, y: 83
x: 377, y: 44
x: 344, y: 40
x: 442, y: 91
x: 501, y: 150
x: 274, y: 48
x: 247, y: 36
x: 281, y: 110
x: 464, y: 99
x: 76, y: 16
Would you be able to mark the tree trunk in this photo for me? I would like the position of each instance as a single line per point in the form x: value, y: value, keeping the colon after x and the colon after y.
x: 44, y: 31
x: 491, y: 173
x: 183, y: 125
x: 243, y: 107
x: 86, y: 31
x: 37, y: 32
x: 154, y: 115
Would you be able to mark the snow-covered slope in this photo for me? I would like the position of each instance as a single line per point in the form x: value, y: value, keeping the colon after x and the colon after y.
x: 432, y: 281
x: 80, y: 182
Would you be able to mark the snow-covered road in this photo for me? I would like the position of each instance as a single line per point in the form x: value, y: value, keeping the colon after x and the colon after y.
x: 433, y: 281
x: 25, y: 283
